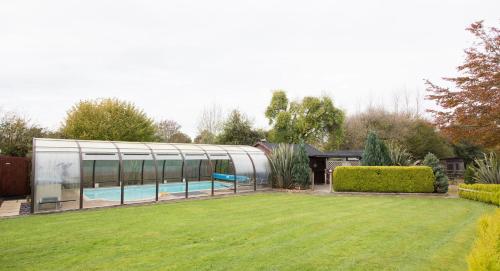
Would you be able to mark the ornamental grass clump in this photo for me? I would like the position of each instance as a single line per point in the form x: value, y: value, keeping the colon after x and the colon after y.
x: 282, y: 162
x: 487, y: 170
x: 398, y: 155
x: 290, y: 166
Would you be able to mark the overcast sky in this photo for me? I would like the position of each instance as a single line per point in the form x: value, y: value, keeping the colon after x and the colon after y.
x: 172, y: 58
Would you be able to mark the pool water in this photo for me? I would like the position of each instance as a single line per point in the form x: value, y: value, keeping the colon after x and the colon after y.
x: 144, y: 192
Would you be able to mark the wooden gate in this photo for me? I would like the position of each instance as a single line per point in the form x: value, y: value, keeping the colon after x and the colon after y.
x: 14, y: 176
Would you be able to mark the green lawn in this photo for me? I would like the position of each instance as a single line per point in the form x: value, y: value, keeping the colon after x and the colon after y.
x: 252, y: 232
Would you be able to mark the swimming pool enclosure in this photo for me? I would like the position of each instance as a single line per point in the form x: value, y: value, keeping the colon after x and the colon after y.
x: 76, y: 174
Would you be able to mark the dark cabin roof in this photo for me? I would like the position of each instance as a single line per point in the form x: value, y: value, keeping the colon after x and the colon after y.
x: 311, y: 151
x: 344, y: 153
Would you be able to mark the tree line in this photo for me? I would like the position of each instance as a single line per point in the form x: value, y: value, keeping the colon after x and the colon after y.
x: 467, y: 124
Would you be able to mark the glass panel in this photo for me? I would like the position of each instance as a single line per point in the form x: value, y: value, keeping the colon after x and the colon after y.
x: 250, y: 149
x: 244, y: 171
x: 136, y: 188
x: 149, y: 172
x: 162, y: 147
x: 197, y: 173
x: 172, y: 170
x: 192, y: 170
x: 232, y: 149
x: 262, y: 169
x: 223, y: 176
x: 57, y: 181
x: 97, y: 147
x: 170, y: 176
x: 101, y: 186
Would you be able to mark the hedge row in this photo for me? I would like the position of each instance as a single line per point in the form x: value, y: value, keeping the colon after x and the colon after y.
x: 485, y: 254
x: 489, y: 193
x: 384, y: 179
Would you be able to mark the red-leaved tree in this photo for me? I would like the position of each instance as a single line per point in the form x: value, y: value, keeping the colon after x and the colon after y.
x: 471, y: 110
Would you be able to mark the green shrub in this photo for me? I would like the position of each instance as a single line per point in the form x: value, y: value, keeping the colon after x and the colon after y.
x: 375, y: 152
x: 488, y: 193
x: 300, y: 171
x: 441, y: 180
x: 485, y: 254
x: 383, y: 179
x: 469, y: 175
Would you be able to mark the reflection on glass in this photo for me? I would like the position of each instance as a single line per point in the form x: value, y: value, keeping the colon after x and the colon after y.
x: 57, y: 181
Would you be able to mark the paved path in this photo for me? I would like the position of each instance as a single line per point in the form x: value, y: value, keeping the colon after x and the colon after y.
x: 11, y: 207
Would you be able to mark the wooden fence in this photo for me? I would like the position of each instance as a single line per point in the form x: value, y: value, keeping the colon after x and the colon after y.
x: 14, y: 176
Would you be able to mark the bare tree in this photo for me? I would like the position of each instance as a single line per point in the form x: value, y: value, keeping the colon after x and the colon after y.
x: 166, y: 129
x: 211, y: 119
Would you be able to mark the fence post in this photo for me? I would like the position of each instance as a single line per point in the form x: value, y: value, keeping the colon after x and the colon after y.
x: 331, y: 180
x: 311, y: 177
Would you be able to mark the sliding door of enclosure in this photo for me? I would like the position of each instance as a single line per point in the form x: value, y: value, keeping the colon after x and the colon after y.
x: 170, y: 162
x: 221, y: 170
x: 196, y: 171
x: 138, y: 172
x: 101, y: 171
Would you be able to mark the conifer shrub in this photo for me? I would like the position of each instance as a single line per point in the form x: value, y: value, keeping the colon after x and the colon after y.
x: 441, y: 180
x: 375, y: 152
x: 300, y: 170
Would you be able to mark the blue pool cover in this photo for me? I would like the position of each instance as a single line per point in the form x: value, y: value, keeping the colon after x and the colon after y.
x: 229, y: 177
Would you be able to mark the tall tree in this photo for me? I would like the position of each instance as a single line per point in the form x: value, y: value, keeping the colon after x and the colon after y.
x: 108, y: 119
x: 387, y: 125
x: 180, y: 137
x: 375, y: 152
x: 423, y: 138
x: 237, y: 130
x: 16, y: 135
x: 313, y: 120
x: 467, y: 151
x: 471, y: 110
x: 405, y: 128
x: 165, y: 129
x: 205, y: 137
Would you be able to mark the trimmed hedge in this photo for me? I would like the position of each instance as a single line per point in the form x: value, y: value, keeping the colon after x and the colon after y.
x: 414, y: 179
x: 489, y: 193
x: 485, y: 254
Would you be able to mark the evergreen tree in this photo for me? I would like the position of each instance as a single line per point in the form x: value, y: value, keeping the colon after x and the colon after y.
x: 300, y: 171
x: 237, y: 130
x: 375, y: 152
x: 469, y: 175
x: 441, y: 181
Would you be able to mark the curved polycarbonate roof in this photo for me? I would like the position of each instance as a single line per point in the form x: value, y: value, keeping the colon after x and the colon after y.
x: 144, y: 150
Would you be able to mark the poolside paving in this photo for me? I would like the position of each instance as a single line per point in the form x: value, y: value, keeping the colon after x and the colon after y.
x: 11, y: 207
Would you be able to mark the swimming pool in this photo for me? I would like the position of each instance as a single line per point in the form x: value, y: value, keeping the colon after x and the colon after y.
x: 144, y: 192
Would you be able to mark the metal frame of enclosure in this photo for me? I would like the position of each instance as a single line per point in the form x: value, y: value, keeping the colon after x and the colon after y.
x: 76, y: 174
